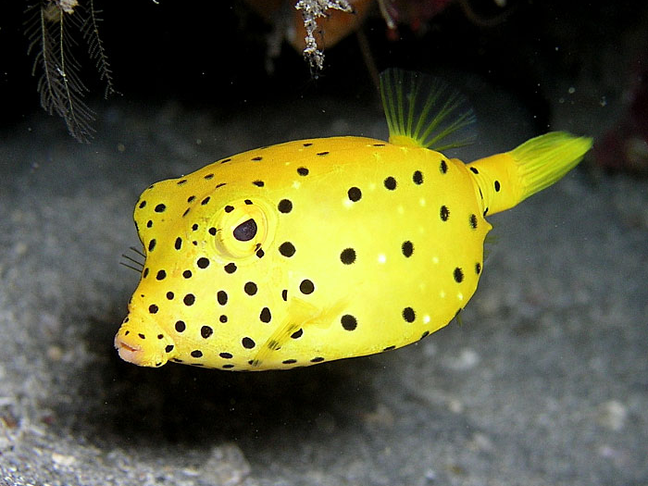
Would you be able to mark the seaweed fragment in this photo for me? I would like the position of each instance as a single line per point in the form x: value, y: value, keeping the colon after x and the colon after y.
x: 51, y: 27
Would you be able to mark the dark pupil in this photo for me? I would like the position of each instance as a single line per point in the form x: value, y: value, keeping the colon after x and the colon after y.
x: 246, y: 230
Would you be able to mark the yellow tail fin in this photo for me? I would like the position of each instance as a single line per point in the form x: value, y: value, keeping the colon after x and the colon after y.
x: 505, y: 180
x: 544, y: 160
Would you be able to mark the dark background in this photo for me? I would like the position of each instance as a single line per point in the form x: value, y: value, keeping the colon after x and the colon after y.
x: 215, y: 53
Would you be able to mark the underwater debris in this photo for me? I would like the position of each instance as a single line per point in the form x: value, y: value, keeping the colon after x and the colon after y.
x: 312, y: 26
x: 50, y: 28
x: 311, y: 11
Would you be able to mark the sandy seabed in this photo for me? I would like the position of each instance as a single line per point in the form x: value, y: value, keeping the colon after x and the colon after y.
x: 545, y: 382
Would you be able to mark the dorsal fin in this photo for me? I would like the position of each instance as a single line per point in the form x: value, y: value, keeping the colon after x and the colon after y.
x: 424, y: 111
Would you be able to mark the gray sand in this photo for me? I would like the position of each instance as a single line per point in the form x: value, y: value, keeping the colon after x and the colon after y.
x: 544, y: 383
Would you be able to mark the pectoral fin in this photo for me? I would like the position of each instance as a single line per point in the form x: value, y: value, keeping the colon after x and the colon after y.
x: 301, y: 315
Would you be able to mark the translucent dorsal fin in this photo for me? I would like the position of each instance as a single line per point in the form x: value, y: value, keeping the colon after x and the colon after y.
x: 424, y: 111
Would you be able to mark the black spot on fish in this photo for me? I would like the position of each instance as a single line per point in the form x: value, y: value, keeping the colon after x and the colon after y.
x: 191, y: 199
x: 443, y: 167
x: 306, y: 287
x: 178, y: 243
x: 348, y: 256
x: 203, y: 262
x: 224, y: 161
x: 497, y: 186
x: 250, y: 288
x: 187, y: 274
x: 287, y: 249
x: 209, y: 177
x: 349, y: 323
x: 297, y: 334
x: 390, y: 183
x: 444, y: 213
x: 417, y: 177
x: 153, y: 309
x: 473, y: 221
x: 355, y: 194
x: 205, y: 201
x: 206, y: 331
x: 408, y: 314
x: 285, y: 206
x: 169, y: 348
x: 284, y: 295
x: 407, y: 248
x: 317, y: 359
x: 226, y: 355
x: 265, y: 315
x: 248, y: 343
x: 230, y: 268
x: 223, y: 318
x: 189, y: 299
x: 474, y: 171
x: 170, y: 295
x: 289, y: 361
x: 458, y: 275
x: 477, y: 268
x: 257, y: 159
x: 221, y: 297
x: 196, y: 353
x: 259, y: 183
x: 229, y: 209
x: 302, y: 171
x: 180, y: 326
x: 160, y: 208
x: 151, y: 244
x: 322, y: 153
x: 161, y: 275
x: 142, y: 205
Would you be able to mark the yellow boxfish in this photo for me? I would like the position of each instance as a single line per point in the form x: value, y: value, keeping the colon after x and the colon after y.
x: 327, y: 248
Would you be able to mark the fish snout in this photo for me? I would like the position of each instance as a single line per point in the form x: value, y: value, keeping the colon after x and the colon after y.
x: 143, y: 342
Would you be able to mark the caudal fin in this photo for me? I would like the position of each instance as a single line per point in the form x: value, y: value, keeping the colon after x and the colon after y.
x: 504, y: 180
x: 544, y: 160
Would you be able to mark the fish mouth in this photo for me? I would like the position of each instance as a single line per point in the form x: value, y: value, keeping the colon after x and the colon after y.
x: 141, y: 341
x: 128, y: 351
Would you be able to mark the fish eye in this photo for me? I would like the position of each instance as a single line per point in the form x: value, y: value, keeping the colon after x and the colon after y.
x: 246, y: 230
x: 242, y: 228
